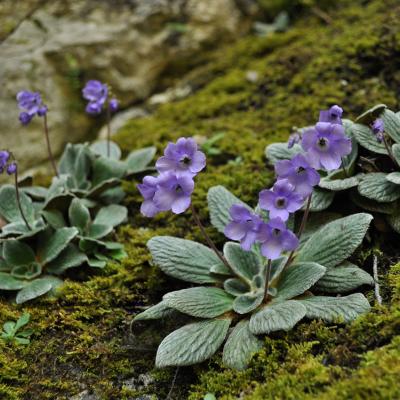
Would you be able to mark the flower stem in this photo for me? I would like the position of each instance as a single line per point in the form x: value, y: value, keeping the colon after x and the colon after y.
x: 267, y: 277
x: 389, y: 151
x: 46, y: 134
x: 301, y: 229
x: 19, y: 200
x: 346, y: 174
x: 108, y: 130
x: 208, y: 239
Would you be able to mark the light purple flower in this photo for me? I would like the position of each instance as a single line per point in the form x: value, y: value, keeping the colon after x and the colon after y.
x: 378, y: 127
x: 29, y: 101
x: 276, y: 238
x: 325, y: 145
x: 148, y: 189
x: 182, y: 157
x: 281, y: 200
x: 42, y: 111
x: 244, y: 227
x: 25, y: 118
x: 299, y: 173
x: 4, y: 157
x: 95, y: 91
x: 113, y: 105
x: 333, y: 115
x: 12, y: 168
x: 173, y: 192
x: 94, y: 108
x: 293, y: 139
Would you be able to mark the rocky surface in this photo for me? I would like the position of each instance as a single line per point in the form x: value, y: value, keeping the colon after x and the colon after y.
x: 54, y: 47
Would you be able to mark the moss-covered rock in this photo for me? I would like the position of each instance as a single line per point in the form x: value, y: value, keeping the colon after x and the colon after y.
x: 83, y: 340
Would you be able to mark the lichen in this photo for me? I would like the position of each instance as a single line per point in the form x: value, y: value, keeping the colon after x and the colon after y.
x: 82, y: 338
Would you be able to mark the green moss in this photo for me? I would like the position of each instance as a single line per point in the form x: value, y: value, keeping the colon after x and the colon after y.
x: 82, y: 338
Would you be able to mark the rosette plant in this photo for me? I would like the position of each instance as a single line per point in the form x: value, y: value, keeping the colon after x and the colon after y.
x: 270, y: 280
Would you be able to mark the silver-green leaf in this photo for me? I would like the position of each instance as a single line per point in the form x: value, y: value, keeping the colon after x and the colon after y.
x: 375, y: 186
x: 157, y: 311
x: 193, y: 343
x: 37, y: 288
x: 280, y: 151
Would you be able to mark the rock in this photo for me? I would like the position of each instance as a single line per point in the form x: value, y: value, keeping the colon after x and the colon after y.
x: 85, y: 395
x: 132, y: 45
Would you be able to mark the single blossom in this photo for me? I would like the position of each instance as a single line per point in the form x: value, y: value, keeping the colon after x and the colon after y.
x: 94, y: 108
x: 29, y: 101
x: 333, y: 115
x: 276, y: 238
x: 182, y: 157
x: 25, y: 118
x: 281, y: 200
x: 95, y: 91
x: 4, y: 157
x: 244, y: 226
x: 378, y: 127
x: 173, y: 192
x: 294, y: 138
x: 325, y: 145
x: 299, y: 173
x: 148, y: 189
x: 113, y: 105
x: 12, y: 168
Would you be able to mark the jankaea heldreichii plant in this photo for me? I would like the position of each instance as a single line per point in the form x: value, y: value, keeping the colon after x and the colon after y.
x: 46, y: 231
x: 252, y: 288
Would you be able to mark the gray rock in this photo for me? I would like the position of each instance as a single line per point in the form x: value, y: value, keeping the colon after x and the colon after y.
x: 85, y: 395
x: 131, y: 45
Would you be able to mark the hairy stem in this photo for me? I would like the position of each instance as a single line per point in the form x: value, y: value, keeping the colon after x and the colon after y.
x: 376, y: 280
x: 46, y: 134
x: 346, y: 174
x: 19, y: 200
x: 208, y: 239
x: 108, y: 130
x: 267, y: 278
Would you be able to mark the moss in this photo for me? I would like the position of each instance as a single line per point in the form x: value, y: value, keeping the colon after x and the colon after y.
x: 82, y: 338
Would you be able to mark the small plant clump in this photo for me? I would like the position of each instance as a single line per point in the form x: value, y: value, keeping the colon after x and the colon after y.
x: 272, y: 278
x: 48, y: 230
x: 12, y: 330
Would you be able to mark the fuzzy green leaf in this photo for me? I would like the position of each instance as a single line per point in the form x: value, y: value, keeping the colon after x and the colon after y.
x: 320, y: 200
x: 336, y: 241
x: 17, y: 253
x: 247, y: 302
x: 70, y: 257
x: 51, y: 244
x: 37, y: 288
x: 340, y: 184
x: 316, y: 221
x: 396, y: 152
x: 158, y: 311
x: 98, y: 231
x: 79, y: 215
x: 278, y: 316
x: 394, y: 177
x: 369, y: 116
x: 236, y: 287
x: 280, y: 151
x: 202, y: 302
x: 240, y: 346
x: 372, y: 205
x: 106, y: 168
x: 366, y: 138
x: 29, y: 271
x: 22, y: 321
x: 392, y: 124
x: 220, y: 269
x: 8, y: 282
x: 376, y: 187
x: 298, y: 278
x: 138, y: 160
x: 344, y: 278
x: 192, y: 343
x: 9, y: 206
x: 183, y: 259
x: 112, y: 215
x: 245, y: 264
x: 101, y: 148
x: 54, y: 218
x: 333, y: 309
x: 220, y: 201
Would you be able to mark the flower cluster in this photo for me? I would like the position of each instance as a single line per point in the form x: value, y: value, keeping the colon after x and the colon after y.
x: 97, y: 94
x: 31, y: 104
x: 6, y: 163
x: 323, y: 147
x: 173, y: 187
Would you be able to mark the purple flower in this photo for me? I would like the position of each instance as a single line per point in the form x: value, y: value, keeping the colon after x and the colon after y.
x: 29, y: 101
x: 281, y: 200
x: 182, y: 158
x: 333, y: 115
x: 94, y: 108
x: 325, y: 145
x: 173, y: 192
x: 293, y: 139
x: 113, y: 105
x: 42, y: 111
x: 95, y: 91
x: 25, y: 118
x: 4, y: 157
x: 12, y: 168
x: 245, y: 226
x: 148, y: 189
x: 378, y: 127
x: 276, y: 238
x: 299, y: 173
